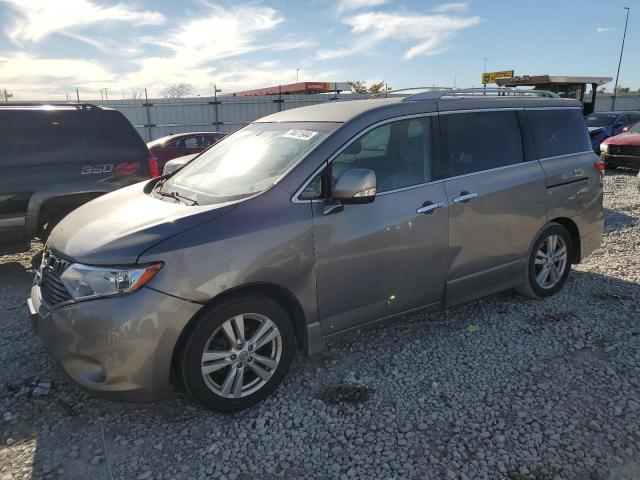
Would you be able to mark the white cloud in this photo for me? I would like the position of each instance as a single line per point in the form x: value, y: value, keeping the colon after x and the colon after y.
x: 40, y: 18
x: 452, y: 7
x: 429, y: 33
x: 330, y: 54
x: 345, y: 5
x: 192, y: 47
x: 21, y: 68
x: 605, y: 29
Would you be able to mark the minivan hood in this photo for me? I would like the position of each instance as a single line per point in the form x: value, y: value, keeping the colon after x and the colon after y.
x: 116, y: 228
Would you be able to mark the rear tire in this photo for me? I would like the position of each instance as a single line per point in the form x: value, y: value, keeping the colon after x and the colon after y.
x: 238, y: 353
x: 549, y: 262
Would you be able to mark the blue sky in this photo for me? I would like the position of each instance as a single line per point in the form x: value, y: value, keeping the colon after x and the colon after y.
x: 57, y: 46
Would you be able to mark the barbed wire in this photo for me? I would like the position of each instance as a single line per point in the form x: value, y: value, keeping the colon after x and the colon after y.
x: 73, y: 94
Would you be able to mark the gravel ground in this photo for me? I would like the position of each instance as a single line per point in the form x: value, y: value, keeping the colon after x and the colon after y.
x: 503, y: 387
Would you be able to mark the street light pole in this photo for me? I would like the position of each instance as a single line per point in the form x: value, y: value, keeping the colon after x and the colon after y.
x: 484, y: 70
x: 624, y: 35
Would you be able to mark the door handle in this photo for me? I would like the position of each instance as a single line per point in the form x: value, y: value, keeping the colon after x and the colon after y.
x: 429, y: 207
x: 465, y: 197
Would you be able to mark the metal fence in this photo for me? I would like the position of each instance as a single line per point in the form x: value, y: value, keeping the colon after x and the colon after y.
x: 159, y: 117
x: 624, y: 101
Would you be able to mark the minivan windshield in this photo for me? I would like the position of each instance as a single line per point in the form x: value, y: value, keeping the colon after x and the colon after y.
x: 247, y: 162
x: 600, y: 119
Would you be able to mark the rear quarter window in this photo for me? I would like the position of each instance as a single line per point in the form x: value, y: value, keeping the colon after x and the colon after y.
x: 558, y: 132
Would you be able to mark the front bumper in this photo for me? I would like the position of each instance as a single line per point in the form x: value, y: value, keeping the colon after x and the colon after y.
x: 625, y: 161
x: 118, y: 347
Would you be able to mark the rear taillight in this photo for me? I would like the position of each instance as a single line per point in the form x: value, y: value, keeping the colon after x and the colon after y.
x: 154, y: 171
x: 600, y: 166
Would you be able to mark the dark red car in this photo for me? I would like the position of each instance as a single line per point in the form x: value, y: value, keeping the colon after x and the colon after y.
x: 180, y: 144
x: 622, y: 150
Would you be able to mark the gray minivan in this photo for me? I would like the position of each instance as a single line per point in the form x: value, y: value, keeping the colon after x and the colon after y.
x: 309, y: 223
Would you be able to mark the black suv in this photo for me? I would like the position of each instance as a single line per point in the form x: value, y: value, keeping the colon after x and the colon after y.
x: 54, y: 158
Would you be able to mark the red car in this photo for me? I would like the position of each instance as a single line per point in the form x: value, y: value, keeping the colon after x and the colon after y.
x: 622, y: 150
x: 180, y: 144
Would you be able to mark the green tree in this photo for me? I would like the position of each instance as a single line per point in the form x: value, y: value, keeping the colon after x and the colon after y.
x: 358, y: 86
x: 622, y: 89
x: 379, y: 87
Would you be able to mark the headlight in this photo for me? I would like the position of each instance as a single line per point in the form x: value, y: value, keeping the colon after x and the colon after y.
x: 604, y: 147
x: 85, y: 281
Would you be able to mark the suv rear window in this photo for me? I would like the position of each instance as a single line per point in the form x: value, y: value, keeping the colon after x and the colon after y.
x: 481, y: 141
x: 30, y: 131
x: 558, y: 132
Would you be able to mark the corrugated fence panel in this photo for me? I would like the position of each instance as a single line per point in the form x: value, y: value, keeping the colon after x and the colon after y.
x: 164, y: 116
x: 624, y: 101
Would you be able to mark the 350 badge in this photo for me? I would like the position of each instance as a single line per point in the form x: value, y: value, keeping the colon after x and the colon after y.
x: 120, y: 168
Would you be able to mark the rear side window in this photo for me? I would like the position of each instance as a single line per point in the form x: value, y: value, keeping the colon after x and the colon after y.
x: 479, y: 141
x: 558, y: 132
x: 86, y: 133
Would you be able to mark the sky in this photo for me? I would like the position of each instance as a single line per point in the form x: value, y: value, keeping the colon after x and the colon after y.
x: 52, y: 47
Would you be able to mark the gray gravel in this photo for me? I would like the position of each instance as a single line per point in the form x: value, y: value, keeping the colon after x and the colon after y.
x: 504, y: 387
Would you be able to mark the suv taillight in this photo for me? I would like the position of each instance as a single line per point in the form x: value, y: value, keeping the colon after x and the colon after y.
x: 154, y: 171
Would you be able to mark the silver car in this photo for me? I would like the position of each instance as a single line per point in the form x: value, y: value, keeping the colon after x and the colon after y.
x: 310, y: 223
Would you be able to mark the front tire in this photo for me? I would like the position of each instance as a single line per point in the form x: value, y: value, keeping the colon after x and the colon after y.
x: 549, y: 262
x: 238, y: 353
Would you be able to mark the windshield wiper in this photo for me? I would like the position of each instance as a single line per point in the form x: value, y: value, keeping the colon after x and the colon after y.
x: 177, y: 196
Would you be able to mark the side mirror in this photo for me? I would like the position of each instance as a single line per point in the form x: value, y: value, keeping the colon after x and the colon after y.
x: 357, y: 185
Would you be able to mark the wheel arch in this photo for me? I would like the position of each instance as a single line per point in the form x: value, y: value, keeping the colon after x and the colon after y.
x: 574, y: 231
x: 279, y: 294
x: 63, y: 194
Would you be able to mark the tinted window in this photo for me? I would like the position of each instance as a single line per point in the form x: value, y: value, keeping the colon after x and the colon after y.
x: 399, y: 153
x: 600, y: 119
x: 26, y: 132
x: 481, y: 141
x: 558, y: 132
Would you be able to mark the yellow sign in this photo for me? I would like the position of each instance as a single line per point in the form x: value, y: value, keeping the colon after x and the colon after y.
x: 490, y: 77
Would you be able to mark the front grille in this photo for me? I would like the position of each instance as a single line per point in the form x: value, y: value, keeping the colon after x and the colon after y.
x: 624, y: 150
x: 53, y: 290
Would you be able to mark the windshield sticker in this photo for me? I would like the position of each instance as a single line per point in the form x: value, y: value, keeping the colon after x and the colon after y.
x: 305, y: 135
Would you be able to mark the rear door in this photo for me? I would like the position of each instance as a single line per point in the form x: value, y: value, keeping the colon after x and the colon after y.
x: 496, y: 191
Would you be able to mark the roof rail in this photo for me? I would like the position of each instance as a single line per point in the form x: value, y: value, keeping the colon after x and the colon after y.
x: 79, y: 106
x: 480, y: 92
x: 432, y: 89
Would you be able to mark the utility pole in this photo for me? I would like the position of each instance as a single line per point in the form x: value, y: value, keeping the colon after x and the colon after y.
x: 297, y: 74
x: 615, y: 88
x: 484, y: 70
x: 77, y: 95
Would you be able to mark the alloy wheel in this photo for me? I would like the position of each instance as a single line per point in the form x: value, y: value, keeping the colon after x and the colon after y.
x: 550, y: 261
x: 241, y: 355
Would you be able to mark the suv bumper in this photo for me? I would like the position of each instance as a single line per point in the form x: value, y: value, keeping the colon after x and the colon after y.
x: 119, y: 347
